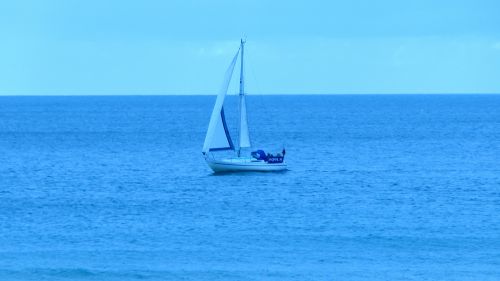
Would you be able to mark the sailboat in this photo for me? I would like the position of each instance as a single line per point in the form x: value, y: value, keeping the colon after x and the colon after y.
x: 218, y: 137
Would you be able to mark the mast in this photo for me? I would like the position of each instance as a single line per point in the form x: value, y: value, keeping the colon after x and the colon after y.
x: 242, y: 80
x: 243, y: 128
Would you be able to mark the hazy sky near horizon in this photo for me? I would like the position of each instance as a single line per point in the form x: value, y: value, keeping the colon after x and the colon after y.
x: 184, y: 46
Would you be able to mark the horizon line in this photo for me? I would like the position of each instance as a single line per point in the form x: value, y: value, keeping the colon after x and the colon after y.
x: 235, y: 94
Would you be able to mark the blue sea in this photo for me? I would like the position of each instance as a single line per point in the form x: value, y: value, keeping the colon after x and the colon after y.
x: 379, y: 187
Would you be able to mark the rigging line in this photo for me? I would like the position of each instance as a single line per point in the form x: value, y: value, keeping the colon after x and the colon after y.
x: 256, y: 83
x: 263, y: 107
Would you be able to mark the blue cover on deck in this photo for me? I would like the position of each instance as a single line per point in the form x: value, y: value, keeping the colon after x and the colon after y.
x: 259, y: 155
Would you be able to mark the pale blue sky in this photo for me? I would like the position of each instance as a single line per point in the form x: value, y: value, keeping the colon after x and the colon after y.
x: 184, y: 46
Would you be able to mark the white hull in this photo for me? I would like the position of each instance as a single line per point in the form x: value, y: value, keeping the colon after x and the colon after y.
x: 243, y: 165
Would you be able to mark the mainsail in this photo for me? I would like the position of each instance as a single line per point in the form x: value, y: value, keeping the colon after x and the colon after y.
x: 244, y: 135
x: 218, y: 137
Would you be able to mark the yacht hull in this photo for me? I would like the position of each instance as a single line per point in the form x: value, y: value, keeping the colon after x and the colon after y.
x: 243, y: 165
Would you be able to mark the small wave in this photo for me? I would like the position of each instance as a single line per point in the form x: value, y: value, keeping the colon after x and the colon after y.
x: 73, y: 274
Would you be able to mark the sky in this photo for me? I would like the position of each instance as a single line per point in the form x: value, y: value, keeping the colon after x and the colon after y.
x: 149, y: 47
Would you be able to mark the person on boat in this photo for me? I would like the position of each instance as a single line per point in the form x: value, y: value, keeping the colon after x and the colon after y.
x: 283, y: 152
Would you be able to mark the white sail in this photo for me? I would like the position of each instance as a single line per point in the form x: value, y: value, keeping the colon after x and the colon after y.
x: 218, y: 137
x: 244, y: 134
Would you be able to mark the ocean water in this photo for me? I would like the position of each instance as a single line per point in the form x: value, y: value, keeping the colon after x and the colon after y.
x: 379, y: 187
